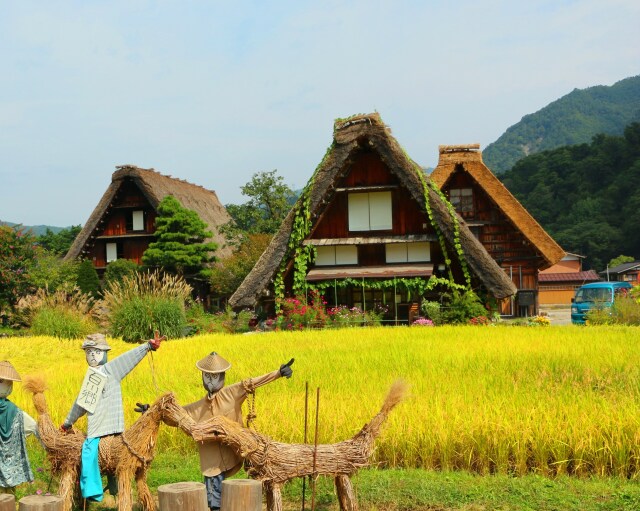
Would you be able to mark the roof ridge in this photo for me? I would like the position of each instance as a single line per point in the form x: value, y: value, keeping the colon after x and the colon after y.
x: 160, y: 174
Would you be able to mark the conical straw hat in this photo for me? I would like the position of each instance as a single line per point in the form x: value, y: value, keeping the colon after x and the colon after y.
x: 8, y: 372
x: 213, y: 363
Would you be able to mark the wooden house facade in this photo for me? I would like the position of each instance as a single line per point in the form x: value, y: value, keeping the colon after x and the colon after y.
x: 508, y: 232
x: 364, y: 219
x: 123, y: 223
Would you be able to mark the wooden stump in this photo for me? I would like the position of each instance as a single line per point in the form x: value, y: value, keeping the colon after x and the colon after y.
x: 40, y: 503
x: 7, y: 502
x: 182, y: 497
x: 241, y: 495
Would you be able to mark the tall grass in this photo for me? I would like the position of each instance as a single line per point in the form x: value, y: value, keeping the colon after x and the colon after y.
x: 487, y: 400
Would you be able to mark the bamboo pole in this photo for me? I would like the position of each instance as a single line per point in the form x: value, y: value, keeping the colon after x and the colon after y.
x: 315, y: 453
x: 306, y: 415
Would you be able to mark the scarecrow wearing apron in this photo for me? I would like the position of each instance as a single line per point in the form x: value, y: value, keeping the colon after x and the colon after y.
x: 218, y: 461
x: 101, y: 399
x: 15, y: 426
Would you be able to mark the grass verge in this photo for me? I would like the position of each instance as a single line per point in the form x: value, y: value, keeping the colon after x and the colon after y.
x: 407, y: 490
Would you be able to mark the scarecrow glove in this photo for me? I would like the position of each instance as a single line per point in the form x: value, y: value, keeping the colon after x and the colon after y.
x: 285, y: 369
x: 141, y: 408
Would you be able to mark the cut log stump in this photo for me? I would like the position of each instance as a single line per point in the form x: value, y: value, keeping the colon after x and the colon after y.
x: 7, y: 502
x: 241, y: 495
x: 40, y: 503
x: 183, y: 496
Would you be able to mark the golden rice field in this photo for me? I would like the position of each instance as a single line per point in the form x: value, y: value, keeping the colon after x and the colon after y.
x: 483, y: 399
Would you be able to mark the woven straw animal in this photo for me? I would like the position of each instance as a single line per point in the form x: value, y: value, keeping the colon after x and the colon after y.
x: 127, y: 456
x: 273, y: 463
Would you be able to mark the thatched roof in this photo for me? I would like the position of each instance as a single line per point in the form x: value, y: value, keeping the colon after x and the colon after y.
x: 349, y: 137
x: 155, y: 187
x: 470, y: 158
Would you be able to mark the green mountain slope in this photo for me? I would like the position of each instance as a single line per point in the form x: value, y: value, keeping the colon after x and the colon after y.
x: 585, y: 196
x: 37, y: 230
x: 572, y: 119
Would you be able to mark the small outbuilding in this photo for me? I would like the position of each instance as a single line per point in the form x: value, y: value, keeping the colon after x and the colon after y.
x: 626, y: 272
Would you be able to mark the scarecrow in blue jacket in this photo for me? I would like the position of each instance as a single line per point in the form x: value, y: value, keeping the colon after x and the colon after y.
x: 101, y: 399
x: 15, y: 426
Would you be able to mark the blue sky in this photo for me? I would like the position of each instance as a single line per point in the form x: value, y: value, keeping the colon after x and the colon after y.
x: 213, y: 92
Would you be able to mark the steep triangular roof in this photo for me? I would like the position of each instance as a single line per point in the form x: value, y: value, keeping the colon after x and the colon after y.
x: 349, y: 136
x: 155, y: 187
x: 470, y: 158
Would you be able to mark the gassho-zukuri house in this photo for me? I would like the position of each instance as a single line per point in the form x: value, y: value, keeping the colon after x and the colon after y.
x: 513, y: 238
x: 123, y: 223
x: 370, y: 229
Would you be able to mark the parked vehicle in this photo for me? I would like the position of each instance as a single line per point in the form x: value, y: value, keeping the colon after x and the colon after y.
x: 597, y: 294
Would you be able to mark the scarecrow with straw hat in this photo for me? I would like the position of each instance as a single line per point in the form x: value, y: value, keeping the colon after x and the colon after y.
x: 100, y: 398
x: 218, y: 461
x: 15, y: 426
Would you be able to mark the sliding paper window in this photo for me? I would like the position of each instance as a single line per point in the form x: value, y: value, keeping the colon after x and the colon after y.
x: 370, y: 211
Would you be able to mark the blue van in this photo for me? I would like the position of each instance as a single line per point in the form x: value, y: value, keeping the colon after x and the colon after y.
x: 598, y: 294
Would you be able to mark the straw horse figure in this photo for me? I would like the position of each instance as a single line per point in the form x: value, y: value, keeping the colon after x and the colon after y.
x: 274, y: 463
x: 127, y: 456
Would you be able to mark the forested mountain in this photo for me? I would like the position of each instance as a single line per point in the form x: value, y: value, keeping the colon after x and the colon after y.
x: 586, y: 196
x: 36, y: 230
x: 572, y: 119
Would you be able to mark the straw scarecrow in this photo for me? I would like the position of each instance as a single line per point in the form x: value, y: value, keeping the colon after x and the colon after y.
x: 218, y: 461
x: 274, y: 462
x: 101, y: 399
x: 15, y: 426
x: 127, y: 456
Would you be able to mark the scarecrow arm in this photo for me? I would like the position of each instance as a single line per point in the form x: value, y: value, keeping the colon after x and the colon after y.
x: 76, y: 412
x: 30, y: 425
x: 120, y: 366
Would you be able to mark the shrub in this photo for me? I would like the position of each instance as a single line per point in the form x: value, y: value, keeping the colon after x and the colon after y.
x: 119, y: 269
x: 142, y: 303
x: 299, y: 313
x: 479, y: 321
x: 626, y: 311
x: 432, y: 311
x: 75, y: 302
x: 61, y: 322
x: 461, y: 307
x: 138, y: 318
x: 422, y: 322
x: 88, y: 280
x: 539, y: 321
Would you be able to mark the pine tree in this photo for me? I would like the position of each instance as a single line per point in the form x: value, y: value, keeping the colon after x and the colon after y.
x: 180, y: 247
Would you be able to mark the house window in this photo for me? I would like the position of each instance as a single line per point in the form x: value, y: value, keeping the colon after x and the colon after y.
x: 408, y: 252
x: 370, y: 211
x: 336, y: 255
x: 114, y: 252
x: 135, y: 221
x: 462, y: 200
